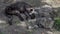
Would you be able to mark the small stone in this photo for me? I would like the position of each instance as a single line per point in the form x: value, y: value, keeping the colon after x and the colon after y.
x: 49, y: 32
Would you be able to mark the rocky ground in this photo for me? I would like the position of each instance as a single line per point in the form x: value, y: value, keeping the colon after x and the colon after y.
x: 17, y: 29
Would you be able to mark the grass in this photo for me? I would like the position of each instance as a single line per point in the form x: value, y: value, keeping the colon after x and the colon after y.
x: 1, y: 33
x: 57, y: 24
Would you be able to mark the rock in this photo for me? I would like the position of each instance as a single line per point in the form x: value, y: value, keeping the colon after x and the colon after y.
x: 1, y: 21
x: 44, y: 17
x: 49, y: 32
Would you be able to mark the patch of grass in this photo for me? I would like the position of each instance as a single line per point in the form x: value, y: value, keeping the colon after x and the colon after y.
x: 57, y: 24
x: 1, y: 33
x: 17, y: 21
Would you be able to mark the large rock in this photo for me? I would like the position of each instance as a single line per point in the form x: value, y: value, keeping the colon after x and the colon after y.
x: 45, y: 16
